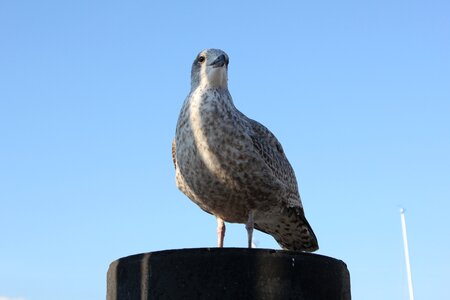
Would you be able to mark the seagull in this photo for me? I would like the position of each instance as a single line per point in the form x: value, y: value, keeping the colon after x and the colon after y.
x: 232, y: 166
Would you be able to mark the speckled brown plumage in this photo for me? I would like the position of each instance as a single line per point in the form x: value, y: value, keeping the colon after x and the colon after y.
x: 232, y: 166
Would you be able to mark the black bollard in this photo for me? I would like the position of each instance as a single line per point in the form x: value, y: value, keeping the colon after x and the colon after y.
x: 228, y: 273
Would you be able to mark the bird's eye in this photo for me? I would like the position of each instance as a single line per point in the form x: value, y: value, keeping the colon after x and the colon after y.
x: 201, y: 59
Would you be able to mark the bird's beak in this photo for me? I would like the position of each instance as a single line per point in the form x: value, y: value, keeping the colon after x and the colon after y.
x: 219, y: 62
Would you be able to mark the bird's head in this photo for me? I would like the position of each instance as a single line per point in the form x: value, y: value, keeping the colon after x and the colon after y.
x: 210, y: 69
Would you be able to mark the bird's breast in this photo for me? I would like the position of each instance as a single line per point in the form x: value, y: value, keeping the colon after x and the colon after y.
x: 211, y: 135
x: 214, y: 156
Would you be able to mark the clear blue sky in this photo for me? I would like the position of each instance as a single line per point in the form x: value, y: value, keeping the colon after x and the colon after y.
x: 357, y: 92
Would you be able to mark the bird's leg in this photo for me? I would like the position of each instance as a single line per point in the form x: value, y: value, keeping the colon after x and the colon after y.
x: 249, y: 226
x: 220, y: 232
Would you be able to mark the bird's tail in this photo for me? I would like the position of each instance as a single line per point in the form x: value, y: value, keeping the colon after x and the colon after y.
x: 290, y: 229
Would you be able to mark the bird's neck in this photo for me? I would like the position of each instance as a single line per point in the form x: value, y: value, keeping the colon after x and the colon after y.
x: 208, y: 96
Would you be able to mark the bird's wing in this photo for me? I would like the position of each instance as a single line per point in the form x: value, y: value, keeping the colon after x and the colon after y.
x: 174, y: 151
x: 298, y: 235
x: 271, y: 152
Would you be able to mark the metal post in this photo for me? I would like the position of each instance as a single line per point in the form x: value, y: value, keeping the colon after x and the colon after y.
x: 405, y: 246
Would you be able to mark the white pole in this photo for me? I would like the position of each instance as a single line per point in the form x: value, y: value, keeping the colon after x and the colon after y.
x: 405, y: 246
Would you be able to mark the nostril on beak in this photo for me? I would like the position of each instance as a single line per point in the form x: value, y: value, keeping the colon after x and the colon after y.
x: 219, y: 61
